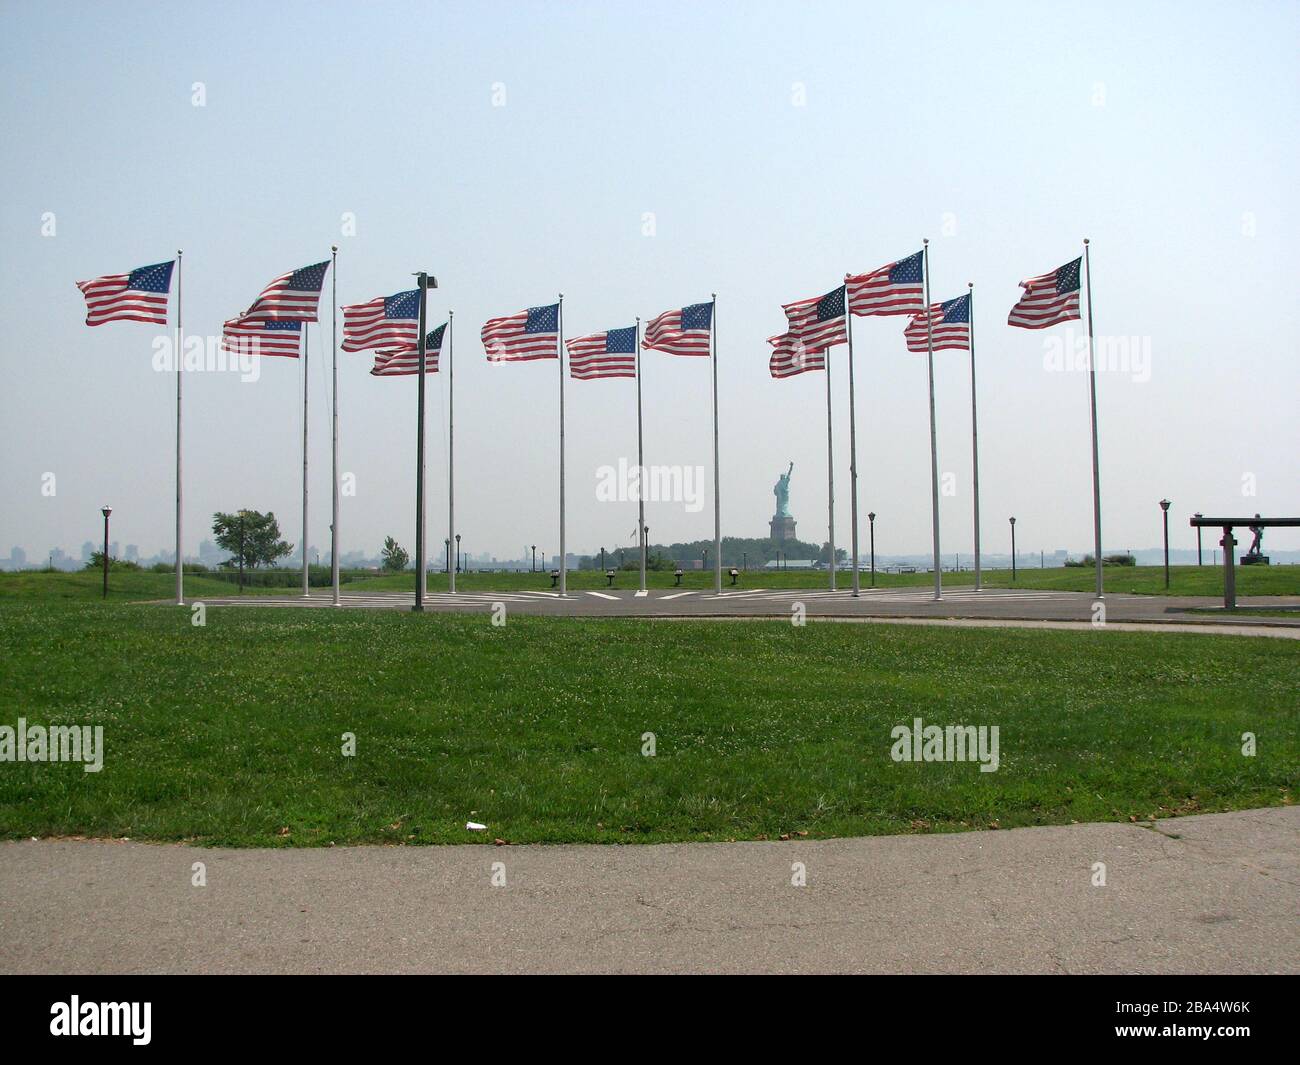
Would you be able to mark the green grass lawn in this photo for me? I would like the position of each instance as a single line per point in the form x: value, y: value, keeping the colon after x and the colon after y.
x: 231, y: 733
x: 1144, y: 580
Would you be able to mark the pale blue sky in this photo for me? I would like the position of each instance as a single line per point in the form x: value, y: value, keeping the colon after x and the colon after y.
x: 1004, y: 132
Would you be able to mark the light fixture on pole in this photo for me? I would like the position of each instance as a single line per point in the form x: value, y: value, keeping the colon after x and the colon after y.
x: 872, y: 519
x: 425, y: 282
x: 1164, y: 507
x: 106, y: 511
x: 1013, y: 549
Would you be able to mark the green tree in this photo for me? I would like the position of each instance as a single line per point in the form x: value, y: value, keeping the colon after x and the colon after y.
x: 394, y: 556
x: 253, y: 539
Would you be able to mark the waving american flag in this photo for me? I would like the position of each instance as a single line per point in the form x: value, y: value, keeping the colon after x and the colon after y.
x: 140, y: 296
x: 521, y: 337
x: 791, y: 356
x: 893, y: 289
x: 294, y: 295
x: 398, y: 362
x: 608, y: 354
x: 681, y: 331
x: 245, y: 337
x: 819, y: 320
x: 384, y: 322
x: 950, y: 322
x: 1049, y: 298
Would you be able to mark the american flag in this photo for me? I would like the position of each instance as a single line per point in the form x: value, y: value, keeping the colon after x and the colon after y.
x: 950, y: 323
x: 608, y: 354
x: 819, y: 320
x: 530, y: 334
x: 140, y: 296
x: 402, y: 361
x: 384, y: 322
x: 262, y: 338
x: 893, y: 289
x: 1049, y: 298
x: 682, y: 331
x: 294, y: 295
x: 791, y: 356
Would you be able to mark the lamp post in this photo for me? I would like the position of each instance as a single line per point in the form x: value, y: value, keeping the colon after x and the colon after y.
x: 458, y: 552
x: 106, y: 511
x: 872, y: 519
x: 446, y: 543
x: 1013, y: 549
x: 744, y: 561
x: 533, y: 569
x: 1198, y: 541
x: 1164, y: 507
x: 424, y: 282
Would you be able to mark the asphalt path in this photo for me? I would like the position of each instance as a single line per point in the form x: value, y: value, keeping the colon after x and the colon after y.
x: 1009, y: 606
x: 1218, y: 893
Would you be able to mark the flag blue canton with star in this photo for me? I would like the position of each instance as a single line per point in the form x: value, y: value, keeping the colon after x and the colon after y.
x: 831, y: 305
x: 289, y: 325
x: 156, y: 278
x: 403, y: 305
x: 308, y: 279
x: 543, y: 319
x: 697, y: 316
x: 433, y: 340
x: 907, y: 270
x: 621, y: 341
x: 1067, y: 277
x: 957, y: 310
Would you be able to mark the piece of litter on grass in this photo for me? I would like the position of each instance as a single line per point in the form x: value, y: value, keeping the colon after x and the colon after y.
x: 474, y: 826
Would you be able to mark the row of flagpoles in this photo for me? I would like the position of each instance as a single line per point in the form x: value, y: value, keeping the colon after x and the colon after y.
x: 394, y: 329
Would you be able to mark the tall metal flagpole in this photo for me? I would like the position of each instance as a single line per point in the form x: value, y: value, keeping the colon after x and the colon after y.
x: 640, y: 460
x: 717, y: 506
x: 306, y: 590
x: 560, y: 357
x: 934, y: 448
x: 853, y: 443
x: 1092, y: 400
x: 180, y: 343
x: 974, y: 434
x: 451, y: 449
x: 334, y: 344
x: 830, y: 461
x: 422, y: 279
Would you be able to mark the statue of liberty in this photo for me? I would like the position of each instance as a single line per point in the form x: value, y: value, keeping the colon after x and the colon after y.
x: 782, y: 492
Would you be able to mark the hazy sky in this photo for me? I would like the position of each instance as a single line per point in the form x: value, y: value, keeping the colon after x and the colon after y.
x: 516, y: 150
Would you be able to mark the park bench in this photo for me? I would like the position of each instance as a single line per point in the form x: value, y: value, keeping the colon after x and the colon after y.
x: 1229, y: 542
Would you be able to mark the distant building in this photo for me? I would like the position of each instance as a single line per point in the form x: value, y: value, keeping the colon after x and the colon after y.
x: 132, y: 553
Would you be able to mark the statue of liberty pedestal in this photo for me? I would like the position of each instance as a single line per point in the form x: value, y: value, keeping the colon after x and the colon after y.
x: 782, y: 523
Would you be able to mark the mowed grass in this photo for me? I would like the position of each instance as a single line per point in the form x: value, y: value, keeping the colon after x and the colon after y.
x: 1131, y: 580
x: 231, y: 733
